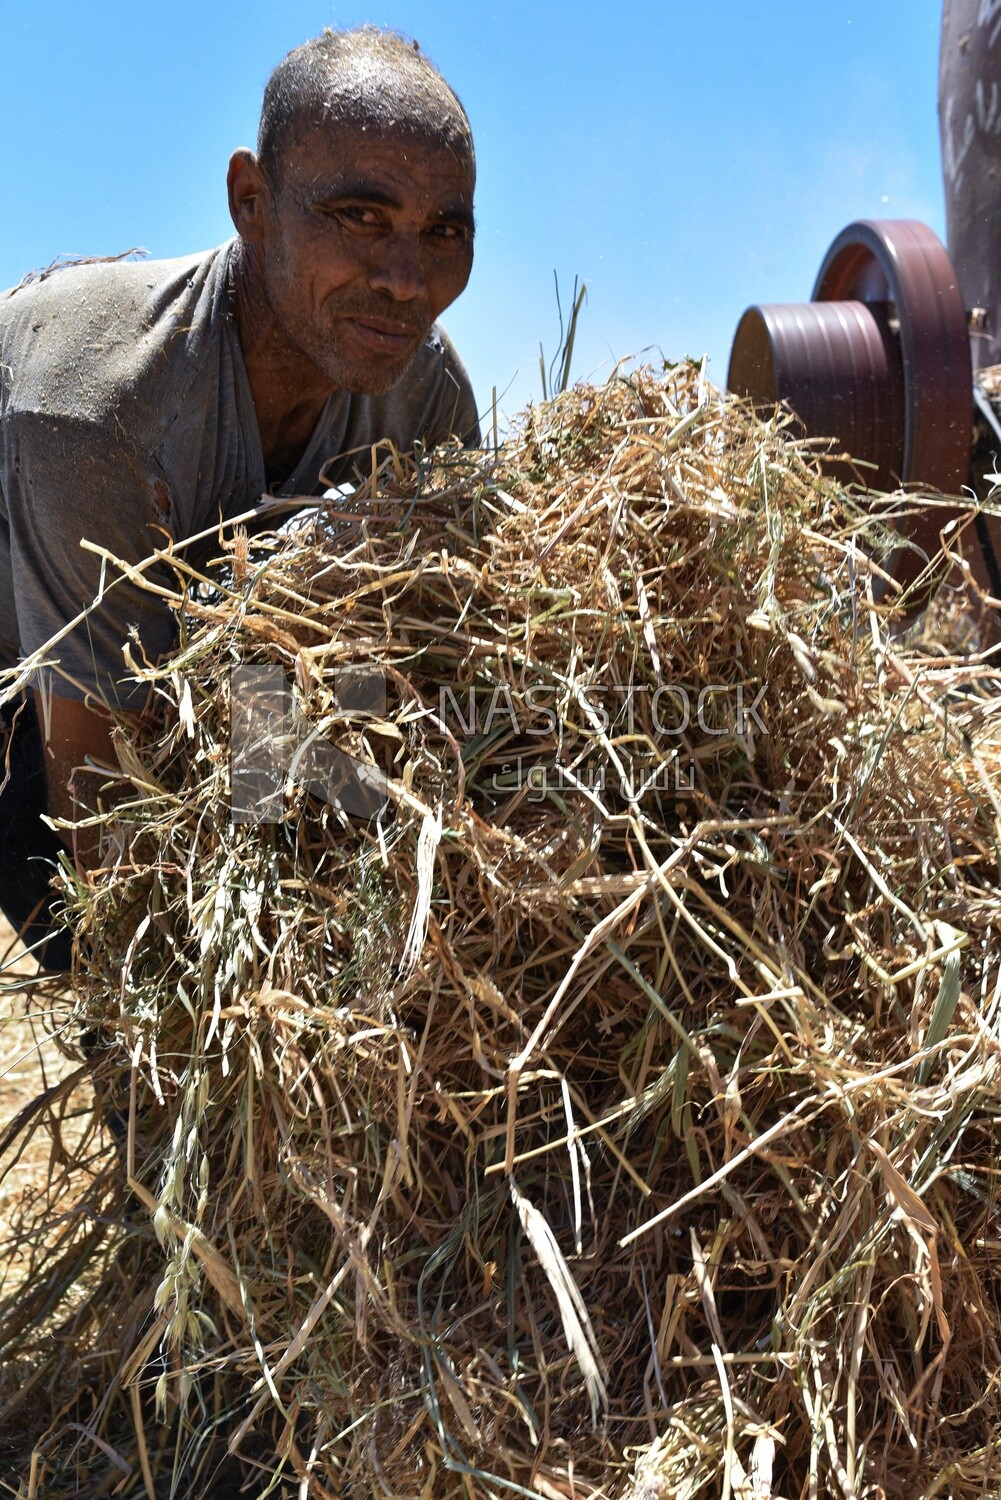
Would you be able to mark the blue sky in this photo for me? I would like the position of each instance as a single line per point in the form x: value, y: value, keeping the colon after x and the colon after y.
x: 685, y: 159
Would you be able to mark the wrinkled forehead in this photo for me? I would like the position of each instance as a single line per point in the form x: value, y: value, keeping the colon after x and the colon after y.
x: 328, y: 157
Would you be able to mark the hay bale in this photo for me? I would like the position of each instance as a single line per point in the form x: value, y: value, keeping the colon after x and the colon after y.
x: 610, y: 1114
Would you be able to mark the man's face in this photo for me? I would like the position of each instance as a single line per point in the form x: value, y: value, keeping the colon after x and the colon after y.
x: 370, y: 238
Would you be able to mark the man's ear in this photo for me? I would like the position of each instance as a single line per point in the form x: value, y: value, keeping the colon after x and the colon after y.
x: 247, y: 187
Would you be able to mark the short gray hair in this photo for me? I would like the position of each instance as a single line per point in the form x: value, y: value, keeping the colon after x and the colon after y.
x: 366, y: 78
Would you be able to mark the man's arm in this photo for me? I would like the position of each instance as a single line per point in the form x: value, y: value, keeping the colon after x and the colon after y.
x: 72, y: 733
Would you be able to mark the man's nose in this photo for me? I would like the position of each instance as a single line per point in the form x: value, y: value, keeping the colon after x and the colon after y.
x: 398, y: 270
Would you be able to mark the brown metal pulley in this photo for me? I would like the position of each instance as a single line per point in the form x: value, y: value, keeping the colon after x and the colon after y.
x: 878, y: 361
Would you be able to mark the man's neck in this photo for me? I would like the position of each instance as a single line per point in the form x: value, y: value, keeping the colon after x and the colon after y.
x: 288, y: 391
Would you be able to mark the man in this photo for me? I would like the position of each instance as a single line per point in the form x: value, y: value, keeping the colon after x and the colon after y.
x: 141, y: 401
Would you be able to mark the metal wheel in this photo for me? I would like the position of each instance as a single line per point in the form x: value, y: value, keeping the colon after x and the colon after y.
x: 901, y: 264
x: 879, y: 361
x: 837, y: 365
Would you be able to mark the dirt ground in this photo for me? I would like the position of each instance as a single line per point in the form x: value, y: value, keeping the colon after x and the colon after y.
x: 30, y: 1062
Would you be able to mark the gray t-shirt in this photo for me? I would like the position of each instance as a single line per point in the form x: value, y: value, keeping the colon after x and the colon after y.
x: 126, y: 418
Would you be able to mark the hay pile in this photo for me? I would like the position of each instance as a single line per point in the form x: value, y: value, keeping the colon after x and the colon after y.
x: 610, y: 1114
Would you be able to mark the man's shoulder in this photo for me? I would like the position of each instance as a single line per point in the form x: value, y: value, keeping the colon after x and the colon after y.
x: 75, y: 340
x: 112, y: 285
x: 434, y: 397
x: 435, y: 354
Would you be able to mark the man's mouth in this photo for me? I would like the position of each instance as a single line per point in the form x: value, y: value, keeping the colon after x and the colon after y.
x: 382, y: 335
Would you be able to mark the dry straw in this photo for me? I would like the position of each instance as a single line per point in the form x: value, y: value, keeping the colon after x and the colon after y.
x: 609, y: 1114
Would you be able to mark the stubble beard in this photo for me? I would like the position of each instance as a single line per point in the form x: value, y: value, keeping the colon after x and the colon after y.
x: 306, y: 337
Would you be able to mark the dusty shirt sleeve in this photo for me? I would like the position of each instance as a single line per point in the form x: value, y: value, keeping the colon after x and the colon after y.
x: 65, y: 481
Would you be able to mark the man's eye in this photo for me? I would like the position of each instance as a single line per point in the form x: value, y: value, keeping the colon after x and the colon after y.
x: 451, y: 233
x: 356, y: 217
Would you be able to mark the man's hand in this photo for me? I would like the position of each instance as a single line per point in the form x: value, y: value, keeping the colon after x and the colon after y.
x: 72, y: 733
